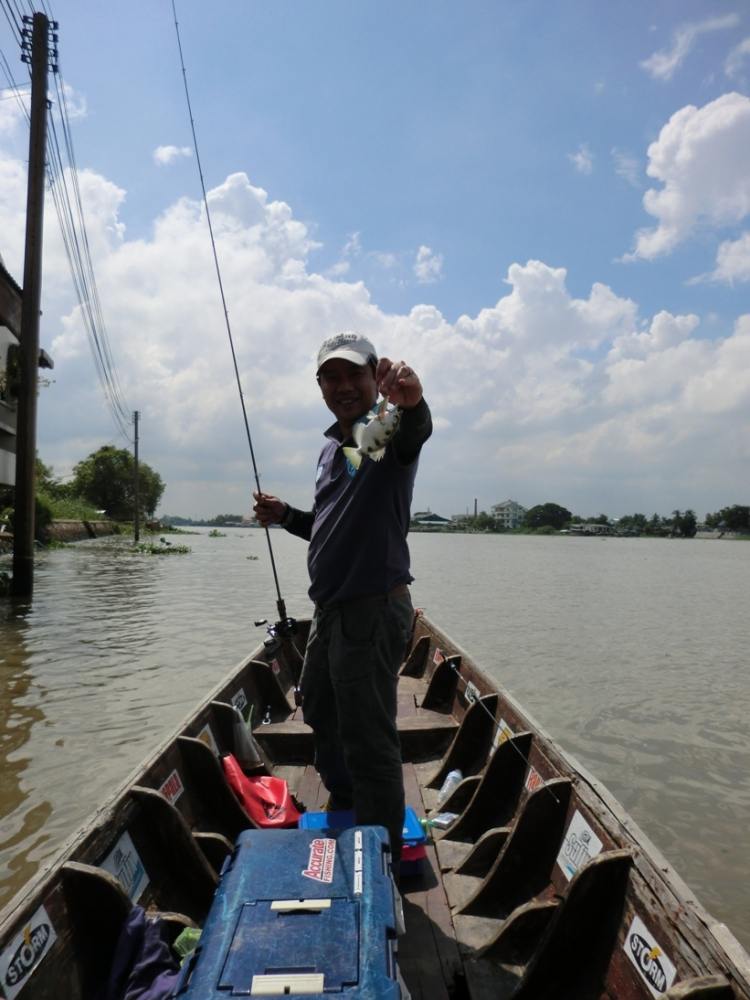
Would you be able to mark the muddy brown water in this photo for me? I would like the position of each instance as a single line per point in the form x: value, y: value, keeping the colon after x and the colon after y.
x: 632, y: 653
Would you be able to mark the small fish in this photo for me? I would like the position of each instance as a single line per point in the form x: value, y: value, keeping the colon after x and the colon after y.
x: 372, y: 433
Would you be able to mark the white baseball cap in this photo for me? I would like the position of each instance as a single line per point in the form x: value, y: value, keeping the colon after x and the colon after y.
x: 349, y: 346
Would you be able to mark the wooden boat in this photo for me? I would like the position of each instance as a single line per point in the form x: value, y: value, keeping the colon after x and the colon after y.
x: 542, y: 887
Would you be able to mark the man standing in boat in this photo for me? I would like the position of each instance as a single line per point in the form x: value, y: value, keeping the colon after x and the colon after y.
x: 358, y: 561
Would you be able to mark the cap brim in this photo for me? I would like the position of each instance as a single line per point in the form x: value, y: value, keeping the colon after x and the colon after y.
x: 355, y: 357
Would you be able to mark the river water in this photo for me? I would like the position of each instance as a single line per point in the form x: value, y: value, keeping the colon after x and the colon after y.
x: 632, y: 653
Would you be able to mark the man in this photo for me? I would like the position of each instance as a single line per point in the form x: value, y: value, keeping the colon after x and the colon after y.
x: 358, y: 561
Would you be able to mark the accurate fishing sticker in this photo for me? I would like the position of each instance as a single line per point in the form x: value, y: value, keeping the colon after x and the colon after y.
x: 124, y: 862
x: 653, y: 966
x: 24, y: 953
x: 322, y: 860
x: 580, y: 844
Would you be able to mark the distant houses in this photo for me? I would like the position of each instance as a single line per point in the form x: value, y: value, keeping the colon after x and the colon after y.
x: 590, y: 528
x: 425, y: 520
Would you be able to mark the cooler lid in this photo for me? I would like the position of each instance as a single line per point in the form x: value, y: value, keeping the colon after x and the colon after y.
x: 293, y: 939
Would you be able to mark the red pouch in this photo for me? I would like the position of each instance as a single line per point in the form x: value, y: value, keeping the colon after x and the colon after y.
x: 266, y: 800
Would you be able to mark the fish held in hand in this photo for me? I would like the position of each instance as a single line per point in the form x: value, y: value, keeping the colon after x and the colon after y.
x: 373, y: 432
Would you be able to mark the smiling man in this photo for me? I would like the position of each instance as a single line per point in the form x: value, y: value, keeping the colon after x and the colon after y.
x: 359, y: 567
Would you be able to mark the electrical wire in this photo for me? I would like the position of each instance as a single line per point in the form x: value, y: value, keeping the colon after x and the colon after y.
x: 65, y: 192
x: 280, y: 601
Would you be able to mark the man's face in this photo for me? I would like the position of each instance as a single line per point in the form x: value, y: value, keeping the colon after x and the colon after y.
x: 349, y: 390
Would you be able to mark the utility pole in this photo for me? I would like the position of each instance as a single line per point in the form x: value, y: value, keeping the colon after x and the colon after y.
x: 25, y: 492
x: 136, y: 515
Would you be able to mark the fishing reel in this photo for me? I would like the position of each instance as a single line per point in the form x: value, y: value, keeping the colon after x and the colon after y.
x: 284, y: 629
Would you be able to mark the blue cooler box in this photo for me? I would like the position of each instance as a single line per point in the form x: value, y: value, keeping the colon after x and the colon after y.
x: 299, y: 913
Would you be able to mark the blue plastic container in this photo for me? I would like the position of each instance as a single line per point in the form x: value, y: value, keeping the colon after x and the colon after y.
x: 300, y: 913
x: 413, y: 833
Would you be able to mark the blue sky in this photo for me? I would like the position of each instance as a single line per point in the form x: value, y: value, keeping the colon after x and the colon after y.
x: 542, y: 207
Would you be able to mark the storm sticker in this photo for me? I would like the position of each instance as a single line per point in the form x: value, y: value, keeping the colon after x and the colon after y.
x: 580, y: 844
x: 322, y: 860
x: 648, y: 957
x: 25, y: 952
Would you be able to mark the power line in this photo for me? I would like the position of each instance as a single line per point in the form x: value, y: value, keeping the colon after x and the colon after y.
x: 65, y: 191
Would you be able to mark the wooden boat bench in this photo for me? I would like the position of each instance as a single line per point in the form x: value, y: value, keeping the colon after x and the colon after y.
x: 493, y: 804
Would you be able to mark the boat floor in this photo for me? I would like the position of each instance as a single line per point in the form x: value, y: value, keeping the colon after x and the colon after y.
x: 429, y: 956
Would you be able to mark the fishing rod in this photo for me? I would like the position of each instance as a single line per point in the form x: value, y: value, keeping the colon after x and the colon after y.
x: 285, y: 626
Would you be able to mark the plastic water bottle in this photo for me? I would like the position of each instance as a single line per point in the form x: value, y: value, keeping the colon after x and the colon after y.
x: 451, y: 780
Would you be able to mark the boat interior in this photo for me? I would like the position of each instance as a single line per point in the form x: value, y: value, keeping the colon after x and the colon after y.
x: 535, y: 885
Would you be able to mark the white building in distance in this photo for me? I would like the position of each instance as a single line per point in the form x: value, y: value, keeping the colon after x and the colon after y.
x: 508, y: 514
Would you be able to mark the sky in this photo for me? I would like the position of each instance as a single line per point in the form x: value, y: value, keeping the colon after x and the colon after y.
x: 544, y: 209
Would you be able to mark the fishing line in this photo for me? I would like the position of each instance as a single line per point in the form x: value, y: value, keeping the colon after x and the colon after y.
x: 280, y: 600
x: 478, y: 701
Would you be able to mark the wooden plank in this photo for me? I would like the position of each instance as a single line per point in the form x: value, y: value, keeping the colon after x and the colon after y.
x: 428, y: 957
x: 311, y: 791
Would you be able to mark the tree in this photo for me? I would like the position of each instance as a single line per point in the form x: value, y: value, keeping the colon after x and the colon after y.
x: 106, y: 480
x: 547, y: 515
x: 734, y: 518
x: 685, y: 524
x: 637, y: 523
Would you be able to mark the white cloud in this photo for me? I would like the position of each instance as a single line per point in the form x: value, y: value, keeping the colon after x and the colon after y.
x: 75, y: 104
x: 353, y: 246
x: 543, y: 395
x: 662, y: 65
x: 735, y: 61
x: 428, y: 266
x: 582, y: 159
x: 164, y: 155
x: 14, y: 108
x: 627, y: 166
x: 732, y: 261
x: 700, y: 158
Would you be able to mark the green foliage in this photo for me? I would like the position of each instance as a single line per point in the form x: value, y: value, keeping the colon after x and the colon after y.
x: 685, y: 525
x: 43, y: 516
x: 70, y: 508
x: 734, y: 518
x: 215, y: 533
x: 151, y: 549
x: 106, y: 479
x: 550, y: 515
x: 222, y: 519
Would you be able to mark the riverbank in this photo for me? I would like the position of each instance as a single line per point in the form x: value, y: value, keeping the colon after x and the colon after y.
x: 66, y: 531
x: 78, y: 531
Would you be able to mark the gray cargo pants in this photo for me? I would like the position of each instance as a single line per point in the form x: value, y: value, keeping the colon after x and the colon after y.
x: 349, y: 699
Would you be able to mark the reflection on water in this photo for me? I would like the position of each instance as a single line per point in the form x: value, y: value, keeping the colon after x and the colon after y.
x: 19, y: 712
x: 631, y: 652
